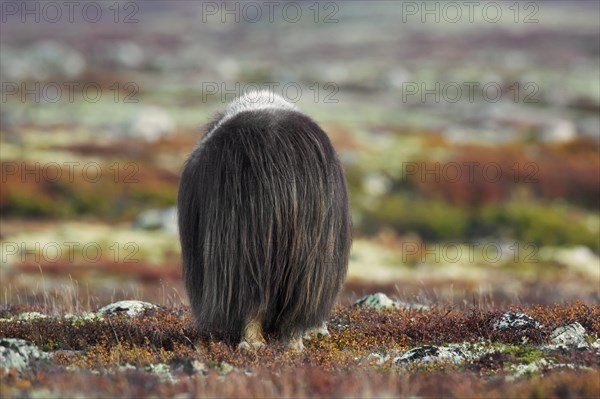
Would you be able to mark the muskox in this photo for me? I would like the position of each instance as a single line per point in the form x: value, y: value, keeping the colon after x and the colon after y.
x: 264, y: 223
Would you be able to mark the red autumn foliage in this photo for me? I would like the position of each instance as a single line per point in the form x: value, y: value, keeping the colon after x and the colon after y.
x: 478, y: 175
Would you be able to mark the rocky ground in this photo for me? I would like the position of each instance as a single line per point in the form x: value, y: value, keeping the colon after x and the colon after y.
x: 377, y: 347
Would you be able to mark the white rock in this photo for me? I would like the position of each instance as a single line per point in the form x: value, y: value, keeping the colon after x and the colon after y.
x: 377, y: 301
x: 381, y: 301
x: 132, y: 308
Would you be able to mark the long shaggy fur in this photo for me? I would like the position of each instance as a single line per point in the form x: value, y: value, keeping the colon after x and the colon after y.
x: 264, y: 221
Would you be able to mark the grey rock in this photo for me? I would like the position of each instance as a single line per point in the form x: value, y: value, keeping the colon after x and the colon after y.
x: 515, y: 321
x: 131, y: 308
x: 472, y: 351
x: 382, y: 301
x: 378, y: 301
x: 19, y: 354
x: 572, y: 335
x: 430, y: 354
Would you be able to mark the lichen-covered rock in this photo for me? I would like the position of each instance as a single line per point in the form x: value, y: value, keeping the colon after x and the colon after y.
x: 572, y: 335
x: 378, y: 301
x: 472, y: 350
x: 131, y: 308
x: 19, y: 354
x: 381, y: 301
x: 515, y: 321
x: 430, y: 354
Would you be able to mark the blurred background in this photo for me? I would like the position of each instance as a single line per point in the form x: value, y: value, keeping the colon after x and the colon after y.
x: 469, y: 133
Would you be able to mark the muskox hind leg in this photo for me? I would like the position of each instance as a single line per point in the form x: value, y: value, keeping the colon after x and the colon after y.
x: 253, y: 334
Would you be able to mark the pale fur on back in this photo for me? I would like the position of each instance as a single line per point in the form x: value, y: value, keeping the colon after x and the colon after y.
x: 253, y: 101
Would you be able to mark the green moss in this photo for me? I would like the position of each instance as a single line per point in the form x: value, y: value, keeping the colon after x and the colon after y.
x: 524, y: 354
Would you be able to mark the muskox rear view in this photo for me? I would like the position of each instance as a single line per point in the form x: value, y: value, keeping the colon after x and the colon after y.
x: 264, y: 223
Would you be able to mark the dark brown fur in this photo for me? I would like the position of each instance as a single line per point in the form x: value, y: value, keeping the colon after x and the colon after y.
x: 264, y: 225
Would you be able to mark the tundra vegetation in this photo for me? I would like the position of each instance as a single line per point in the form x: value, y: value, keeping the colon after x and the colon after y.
x: 475, y: 261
